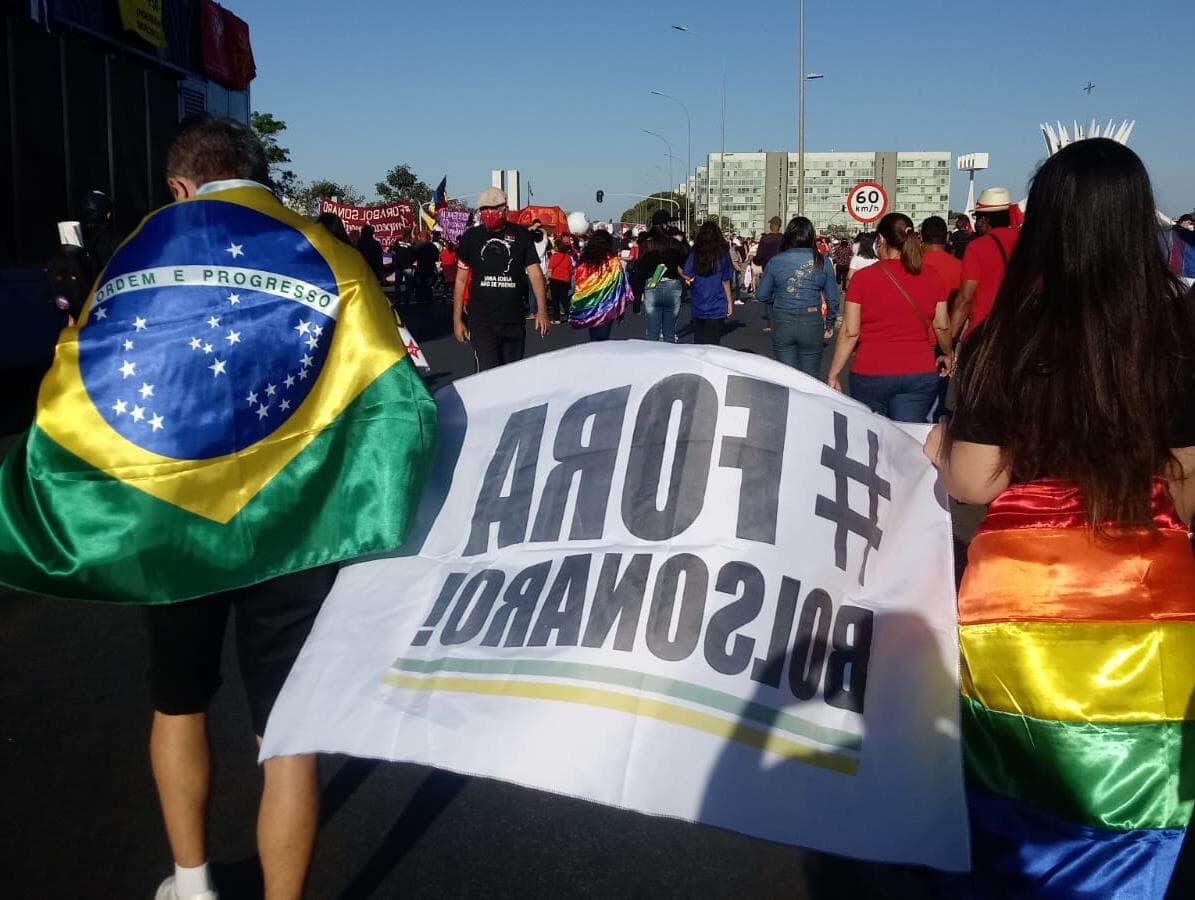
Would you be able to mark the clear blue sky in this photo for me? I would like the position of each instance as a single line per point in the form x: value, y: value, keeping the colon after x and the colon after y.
x: 559, y: 90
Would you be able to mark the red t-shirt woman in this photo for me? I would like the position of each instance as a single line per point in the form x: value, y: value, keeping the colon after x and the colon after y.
x: 894, y: 312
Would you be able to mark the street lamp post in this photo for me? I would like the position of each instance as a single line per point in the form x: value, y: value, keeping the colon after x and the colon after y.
x: 801, y: 117
x: 689, y: 142
x: 670, y: 156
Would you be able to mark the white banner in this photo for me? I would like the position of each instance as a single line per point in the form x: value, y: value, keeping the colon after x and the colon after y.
x: 687, y: 581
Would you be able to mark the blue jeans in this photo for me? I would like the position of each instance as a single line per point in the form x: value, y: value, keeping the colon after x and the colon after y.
x: 902, y: 398
x: 662, y: 306
x: 798, y: 339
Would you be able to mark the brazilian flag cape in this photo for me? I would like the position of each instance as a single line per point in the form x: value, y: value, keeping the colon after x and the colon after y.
x: 234, y: 405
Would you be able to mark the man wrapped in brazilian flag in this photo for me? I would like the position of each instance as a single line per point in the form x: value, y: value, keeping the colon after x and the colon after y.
x: 234, y: 414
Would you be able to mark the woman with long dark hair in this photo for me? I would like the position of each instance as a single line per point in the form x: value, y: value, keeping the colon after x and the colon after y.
x: 889, y: 310
x: 602, y: 290
x: 796, y: 284
x: 710, y: 275
x: 1076, y: 422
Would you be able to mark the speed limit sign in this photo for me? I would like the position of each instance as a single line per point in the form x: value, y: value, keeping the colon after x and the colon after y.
x: 867, y: 201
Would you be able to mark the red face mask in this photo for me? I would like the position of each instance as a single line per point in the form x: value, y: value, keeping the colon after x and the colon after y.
x: 493, y: 219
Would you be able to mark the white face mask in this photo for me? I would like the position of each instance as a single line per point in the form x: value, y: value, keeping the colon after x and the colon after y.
x: 1190, y: 226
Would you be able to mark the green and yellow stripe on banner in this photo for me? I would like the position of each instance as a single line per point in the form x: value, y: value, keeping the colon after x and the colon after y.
x: 522, y: 680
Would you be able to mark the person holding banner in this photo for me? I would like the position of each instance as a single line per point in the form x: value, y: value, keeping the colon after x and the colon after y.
x: 1076, y: 422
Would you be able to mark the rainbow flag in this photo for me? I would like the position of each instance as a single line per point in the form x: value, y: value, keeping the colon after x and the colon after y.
x: 601, y: 294
x: 234, y: 405
x: 1078, y: 697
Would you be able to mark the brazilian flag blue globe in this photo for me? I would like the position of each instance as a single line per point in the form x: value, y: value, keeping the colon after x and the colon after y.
x: 234, y: 404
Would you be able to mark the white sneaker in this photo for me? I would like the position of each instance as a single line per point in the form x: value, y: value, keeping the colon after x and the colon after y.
x: 738, y: 302
x: 166, y: 891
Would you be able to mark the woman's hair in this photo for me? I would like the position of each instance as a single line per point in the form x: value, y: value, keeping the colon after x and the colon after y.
x: 801, y: 233
x: 599, y: 248
x: 867, y: 244
x: 708, y: 247
x: 1079, y: 367
x: 333, y: 223
x: 898, y: 233
x: 560, y: 246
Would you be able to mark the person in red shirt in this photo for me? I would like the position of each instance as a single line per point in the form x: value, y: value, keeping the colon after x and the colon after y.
x: 985, y: 261
x: 888, y: 312
x: 560, y: 276
x: 935, y: 256
x: 448, y: 265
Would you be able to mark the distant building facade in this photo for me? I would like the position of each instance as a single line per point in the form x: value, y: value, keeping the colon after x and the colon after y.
x: 756, y: 186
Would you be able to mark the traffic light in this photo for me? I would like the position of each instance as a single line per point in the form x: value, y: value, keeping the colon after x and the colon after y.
x: 600, y: 195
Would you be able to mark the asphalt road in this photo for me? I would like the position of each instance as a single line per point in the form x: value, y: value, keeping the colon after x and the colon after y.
x: 81, y: 820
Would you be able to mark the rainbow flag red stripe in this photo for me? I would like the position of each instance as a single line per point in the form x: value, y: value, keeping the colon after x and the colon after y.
x: 1078, y: 696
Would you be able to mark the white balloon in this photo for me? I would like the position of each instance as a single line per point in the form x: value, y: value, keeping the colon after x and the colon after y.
x: 577, y: 223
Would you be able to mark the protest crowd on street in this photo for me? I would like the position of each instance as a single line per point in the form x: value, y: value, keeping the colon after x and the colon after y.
x: 863, y: 547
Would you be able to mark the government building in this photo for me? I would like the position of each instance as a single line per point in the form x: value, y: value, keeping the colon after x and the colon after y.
x: 756, y: 186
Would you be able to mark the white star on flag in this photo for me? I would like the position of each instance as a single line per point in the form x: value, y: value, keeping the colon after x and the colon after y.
x: 236, y: 250
x: 302, y: 375
x: 128, y: 345
x: 120, y: 407
x: 252, y: 398
x: 196, y: 343
x: 270, y: 389
x: 147, y: 390
x: 217, y: 368
x: 233, y: 337
x: 303, y: 328
x: 285, y: 405
x: 319, y: 330
x: 129, y: 368
x: 138, y: 413
x: 139, y: 323
x: 213, y: 321
x: 307, y: 361
x: 101, y: 313
x: 312, y: 343
x: 262, y: 412
x: 234, y: 299
x: 156, y: 422
x: 207, y: 348
x: 290, y: 381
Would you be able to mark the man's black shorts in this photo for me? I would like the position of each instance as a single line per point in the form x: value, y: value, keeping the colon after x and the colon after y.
x: 273, y: 620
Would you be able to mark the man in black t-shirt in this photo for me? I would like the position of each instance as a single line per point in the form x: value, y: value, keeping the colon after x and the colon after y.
x: 769, y: 246
x: 497, y: 262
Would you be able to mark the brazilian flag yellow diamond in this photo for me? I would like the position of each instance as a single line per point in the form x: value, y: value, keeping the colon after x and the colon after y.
x: 240, y: 366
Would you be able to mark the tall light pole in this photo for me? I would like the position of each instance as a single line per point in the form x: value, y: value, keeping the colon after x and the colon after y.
x: 670, y: 157
x: 689, y: 141
x: 801, y: 117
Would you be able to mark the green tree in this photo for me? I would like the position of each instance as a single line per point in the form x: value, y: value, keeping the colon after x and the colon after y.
x: 402, y: 184
x: 306, y: 199
x: 267, y: 129
x: 642, y: 211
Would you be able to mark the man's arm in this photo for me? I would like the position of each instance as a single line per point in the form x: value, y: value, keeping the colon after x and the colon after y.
x: 961, y: 311
x: 458, y: 302
x: 536, y: 276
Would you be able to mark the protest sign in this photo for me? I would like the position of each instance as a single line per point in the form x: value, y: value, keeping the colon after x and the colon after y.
x: 453, y: 223
x: 686, y: 581
x: 387, y: 219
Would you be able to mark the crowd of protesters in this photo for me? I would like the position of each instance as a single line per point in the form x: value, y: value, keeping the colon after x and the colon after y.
x: 1072, y: 348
